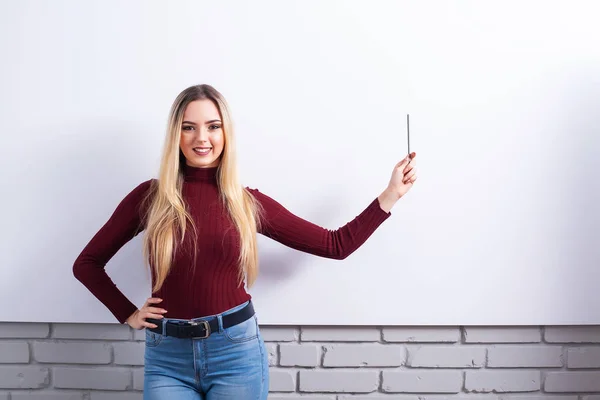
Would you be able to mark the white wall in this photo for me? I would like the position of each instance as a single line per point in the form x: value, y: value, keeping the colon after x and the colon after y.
x: 500, y: 228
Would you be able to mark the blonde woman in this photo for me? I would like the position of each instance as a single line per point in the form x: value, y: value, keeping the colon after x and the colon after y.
x: 200, y: 224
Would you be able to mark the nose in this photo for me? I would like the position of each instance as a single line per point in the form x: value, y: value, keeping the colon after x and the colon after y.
x: 203, y: 134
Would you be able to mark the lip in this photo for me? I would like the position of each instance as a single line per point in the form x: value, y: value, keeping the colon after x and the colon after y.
x: 205, y: 150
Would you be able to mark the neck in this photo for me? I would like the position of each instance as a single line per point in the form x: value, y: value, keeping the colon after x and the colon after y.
x: 200, y: 174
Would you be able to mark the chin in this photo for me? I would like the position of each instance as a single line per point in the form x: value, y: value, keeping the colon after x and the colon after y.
x: 203, y: 163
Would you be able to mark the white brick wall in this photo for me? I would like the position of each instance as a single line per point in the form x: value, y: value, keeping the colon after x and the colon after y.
x: 105, y: 362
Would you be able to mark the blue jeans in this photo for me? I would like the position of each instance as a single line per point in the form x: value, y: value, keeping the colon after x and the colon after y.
x: 231, y: 363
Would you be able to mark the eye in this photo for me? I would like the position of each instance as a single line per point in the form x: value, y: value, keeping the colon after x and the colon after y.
x: 187, y: 128
x: 214, y: 127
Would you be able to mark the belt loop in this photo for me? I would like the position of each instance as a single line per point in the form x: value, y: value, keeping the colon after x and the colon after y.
x: 220, y: 322
x: 163, y: 326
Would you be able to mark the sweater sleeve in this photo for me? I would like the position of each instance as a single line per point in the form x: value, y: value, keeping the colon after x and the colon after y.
x: 89, y: 268
x: 281, y: 225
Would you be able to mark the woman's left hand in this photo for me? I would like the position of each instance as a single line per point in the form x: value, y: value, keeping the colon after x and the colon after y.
x: 403, y: 176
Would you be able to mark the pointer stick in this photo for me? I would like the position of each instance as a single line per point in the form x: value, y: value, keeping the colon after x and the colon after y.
x: 408, y: 133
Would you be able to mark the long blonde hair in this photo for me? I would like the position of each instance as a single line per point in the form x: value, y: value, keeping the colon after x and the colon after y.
x: 167, y: 217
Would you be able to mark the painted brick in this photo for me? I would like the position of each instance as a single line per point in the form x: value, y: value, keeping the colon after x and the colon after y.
x: 116, y: 396
x: 92, y: 331
x: 72, y: 352
x: 92, y: 378
x: 421, y: 397
x: 344, y: 334
x: 364, y: 355
x: 572, y: 381
x: 14, y: 352
x: 544, y: 396
x: 138, y: 334
x: 502, y: 335
x: 138, y: 378
x: 299, y: 355
x: 386, y: 397
x: 25, y: 330
x: 272, y: 350
x: 583, y: 357
x: 279, y: 334
x: 340, y: 381
x: 282, y: 380
x: 446, y: 356
x: 45, y: 395
x: 347, y: 351
x: 422, y: 381
x: 424, y: 334
x: 24, y: 377
x: 290, y: 397
x: 503, y: 381
x: 129, y: 353
x: 525, y: 356
x: 574, y: 334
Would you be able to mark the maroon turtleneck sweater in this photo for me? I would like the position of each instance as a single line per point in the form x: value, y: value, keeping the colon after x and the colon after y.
x: 209, y: 286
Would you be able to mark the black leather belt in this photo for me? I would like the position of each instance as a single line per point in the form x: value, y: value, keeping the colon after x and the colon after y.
x: 200, y: 329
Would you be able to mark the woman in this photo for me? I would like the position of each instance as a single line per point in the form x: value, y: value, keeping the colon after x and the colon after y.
x: 202, y: 335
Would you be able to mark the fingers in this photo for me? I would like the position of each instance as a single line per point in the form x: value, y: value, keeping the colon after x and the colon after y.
x: 410, y: 177
x: 149, y: 325
x: 401, y: 163
x: 148, y: 311
x: 152, y: 315
x: 408, y: 160
x: 152, y: 300
x: 155, y: 310
x: 144, y: 315
x: 409, y: 171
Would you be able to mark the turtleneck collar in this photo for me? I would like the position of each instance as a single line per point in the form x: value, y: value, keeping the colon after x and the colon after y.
x: 196, y: 174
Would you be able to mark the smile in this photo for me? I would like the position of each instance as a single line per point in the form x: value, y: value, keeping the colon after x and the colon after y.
x: 202, y: 151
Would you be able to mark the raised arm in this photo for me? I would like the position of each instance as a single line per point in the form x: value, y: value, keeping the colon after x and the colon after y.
x: 279, y: 224
x: 89, y: 267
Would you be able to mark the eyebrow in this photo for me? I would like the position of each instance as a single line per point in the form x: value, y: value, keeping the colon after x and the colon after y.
x: 208, y: 122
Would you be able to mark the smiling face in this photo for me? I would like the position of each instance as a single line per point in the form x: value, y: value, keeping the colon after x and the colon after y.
x: 202, y: 138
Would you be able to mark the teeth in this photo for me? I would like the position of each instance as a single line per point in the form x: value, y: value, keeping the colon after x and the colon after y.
x: 202, y: 151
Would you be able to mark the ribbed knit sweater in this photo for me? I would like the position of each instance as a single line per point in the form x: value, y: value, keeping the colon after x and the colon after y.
x: 211, y: 284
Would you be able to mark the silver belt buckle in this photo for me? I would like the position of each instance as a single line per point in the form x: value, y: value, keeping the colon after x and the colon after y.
x: 206, y: 326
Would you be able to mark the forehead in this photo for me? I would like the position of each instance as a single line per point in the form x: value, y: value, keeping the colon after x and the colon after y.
x: 201, y: 110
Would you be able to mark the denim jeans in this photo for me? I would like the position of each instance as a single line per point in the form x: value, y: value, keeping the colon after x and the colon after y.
x: 231, y: 363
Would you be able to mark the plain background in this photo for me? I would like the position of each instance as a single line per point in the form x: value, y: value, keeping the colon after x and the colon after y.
x: 503, y: 104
